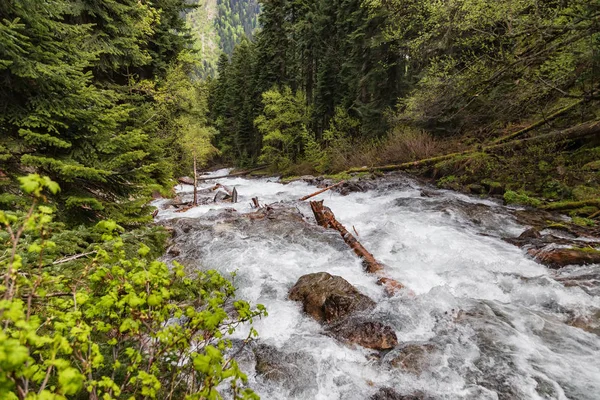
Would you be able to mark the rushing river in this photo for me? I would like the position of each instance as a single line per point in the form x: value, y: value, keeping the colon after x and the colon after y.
x: 497, y: 321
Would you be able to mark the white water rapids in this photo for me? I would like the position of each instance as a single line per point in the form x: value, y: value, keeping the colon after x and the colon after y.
x: 496, y: 318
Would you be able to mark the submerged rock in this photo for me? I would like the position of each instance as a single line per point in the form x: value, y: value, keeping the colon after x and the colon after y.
x: 391, y: 394
x: 294, y: 370
x: 413, y: 357
x: 329, y: 298
x: 366, y: 333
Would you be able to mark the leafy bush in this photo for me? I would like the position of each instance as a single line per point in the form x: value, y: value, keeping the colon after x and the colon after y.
x: 118, y: 328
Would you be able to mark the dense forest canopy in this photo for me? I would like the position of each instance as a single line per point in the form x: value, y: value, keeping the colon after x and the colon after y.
x: 448, y: 67
x: 219, y: 25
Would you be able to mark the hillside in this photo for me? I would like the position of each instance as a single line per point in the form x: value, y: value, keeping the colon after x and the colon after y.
x: 219, y: 25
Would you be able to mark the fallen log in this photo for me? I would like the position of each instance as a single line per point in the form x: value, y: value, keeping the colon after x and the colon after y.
x: 576, y: 132
x: 326, y: 219
x: 536, y: 125
x: 321, y: 191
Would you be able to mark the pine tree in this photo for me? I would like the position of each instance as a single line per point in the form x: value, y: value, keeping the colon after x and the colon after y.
x: 74, y: 106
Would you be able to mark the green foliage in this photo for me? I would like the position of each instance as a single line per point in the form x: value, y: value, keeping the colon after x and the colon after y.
x: 80, y: 101
x: 488, y: 62
x: 284, y: 128
x: 218, y: 26
x: 119, y: 328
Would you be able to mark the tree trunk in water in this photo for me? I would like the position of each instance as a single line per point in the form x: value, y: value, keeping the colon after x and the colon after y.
x: 195, y: 183
x: 326, y: 219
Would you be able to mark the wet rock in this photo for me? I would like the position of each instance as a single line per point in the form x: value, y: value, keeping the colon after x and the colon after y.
x: 221, y: 196
x: 355, y: 185
x: 558, y: 258
x: 391, y: 394
x: 476, y: 189
x: 531, y: 233
x: 293, y: 370
x: 413, y: 357
x: 328, y: 298
x: 365, y: 332
x: 493, y: 188
x: 174, y: 251
x: 186, y: 180
x: 589, y: 323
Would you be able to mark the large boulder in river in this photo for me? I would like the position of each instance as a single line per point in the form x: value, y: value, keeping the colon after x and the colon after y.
x: 328, y: 298
x: 365, y: 332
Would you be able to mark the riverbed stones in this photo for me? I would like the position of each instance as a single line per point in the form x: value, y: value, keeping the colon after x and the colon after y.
x: 328, y: 298
x: 364, y: 332
x: 558, y: 258
x: 390, y: 394
x: 292, y: 370
x: 413, y: 357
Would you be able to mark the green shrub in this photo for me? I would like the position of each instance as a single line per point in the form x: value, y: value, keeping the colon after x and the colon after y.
x: 119, y: 328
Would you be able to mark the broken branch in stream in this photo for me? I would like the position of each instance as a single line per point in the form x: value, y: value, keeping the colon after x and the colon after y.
x: 321, y: 191
x: 326, y: 219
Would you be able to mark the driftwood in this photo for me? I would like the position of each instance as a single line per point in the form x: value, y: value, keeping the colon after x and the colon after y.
x: 241, y: 173
x: 321, y: 191
x: 576, y: 132
x: 326, y: 219
x: 195, y: 182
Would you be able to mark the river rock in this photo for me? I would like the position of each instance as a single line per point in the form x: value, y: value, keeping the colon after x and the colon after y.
x: 365, y: 332
x: 391, y: 394
x: 354, y: 185
x: 186, y: 180
x: 328, y: 298
x: 413, y: 357
x: 558, y: 258
x: 293, y: 370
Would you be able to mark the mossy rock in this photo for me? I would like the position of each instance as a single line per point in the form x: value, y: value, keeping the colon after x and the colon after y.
x: 449, y: 182
x: 493, y: 187
x: 511, y: 197
x: 571, y: 205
